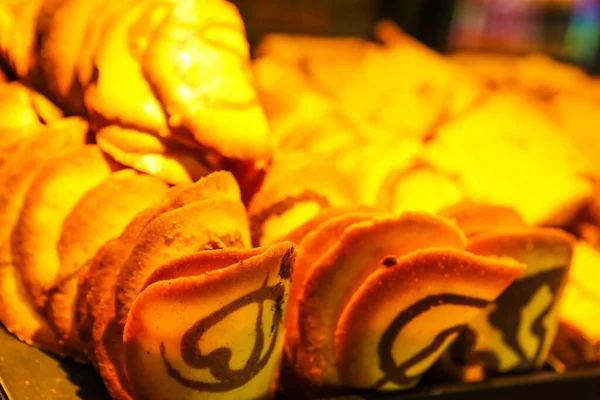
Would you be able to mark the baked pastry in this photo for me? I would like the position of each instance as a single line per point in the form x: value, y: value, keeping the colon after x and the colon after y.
x: 530, y: 304
x: 578, y: 339
x: 192, y: 351
x: 164, y: 158
x: 17, y: 174
x: 352, y: 268
x: 133, y: 45
x: 296, y: 187
x: 99, y: 216
x: 49, y: 200
x: 178, y: 225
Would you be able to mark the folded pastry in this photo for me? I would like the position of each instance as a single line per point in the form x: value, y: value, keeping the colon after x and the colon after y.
x: 203, y: 216
x: 36, y: 154
x: 166, y: 159
x: 172, y: 69
x: 48, y: 201
x: 578, y: 339
x: 210, y: 325
x: 517, y: 331
x: 100, y: 215
x: 381, y: 297
x: 314, y: 238
x: 296, y: 187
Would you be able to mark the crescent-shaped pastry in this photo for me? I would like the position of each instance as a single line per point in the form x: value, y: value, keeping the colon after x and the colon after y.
x: 165, y: 159
x: 16, y: 312
x: 117, y: 62
x: 415, y: 308
x: 296, y: 188
x: 215, y: 335
x: 332, y: 281
x: 100, y: 215
x: 94, y: 32
x: 49, y: 200
x: 204, y: 225
x: 311, y: 248
x: 97, y: 328
x: 105, y: 270
x: 204, y: 82
x: 353, y: 267
x: 60, y: 30
x: 18, y: 34
x: 516, y: 333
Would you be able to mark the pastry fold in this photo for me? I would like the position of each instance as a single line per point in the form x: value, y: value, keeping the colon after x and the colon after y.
x: 17, y: 313
x: 48, y: 201
x: 380, y: 298
x: 99, y: 216
x: 211, y: 327
x: 206, y: 215
x: 516, y: 333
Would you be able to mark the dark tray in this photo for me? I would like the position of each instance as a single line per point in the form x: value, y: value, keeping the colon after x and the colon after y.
x: 27, y: 373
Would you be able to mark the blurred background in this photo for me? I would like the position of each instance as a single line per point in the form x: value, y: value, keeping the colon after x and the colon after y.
x: 568, y: 30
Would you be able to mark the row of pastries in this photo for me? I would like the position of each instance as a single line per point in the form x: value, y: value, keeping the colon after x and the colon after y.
x: 197, y: 224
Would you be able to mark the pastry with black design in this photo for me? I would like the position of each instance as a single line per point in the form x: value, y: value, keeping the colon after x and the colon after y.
x: 191, y: 218
x: 210, y: 325
x: 349, y: 334
x: 516, y: 332
x: 578, y: 339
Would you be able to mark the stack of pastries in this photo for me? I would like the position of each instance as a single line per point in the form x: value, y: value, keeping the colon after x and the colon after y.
x: 197, y: 225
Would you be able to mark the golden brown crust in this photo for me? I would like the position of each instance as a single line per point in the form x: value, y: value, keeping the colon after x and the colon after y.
x: 517, y: 332
x: 17, y: 110
x: 16, y: 312
x: 314, y: 245
x: 203, y: 309
x: 147, y: 153
x: 340, y: 272
x: 199, y: 264
x: 103, y: 278
x: 203, y: 225
x: 49, y: 199
x: 216, y: 103
x: 60, y: 31
x: 100, y: 215
x: 118, y: 67
x: 425, y: 299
